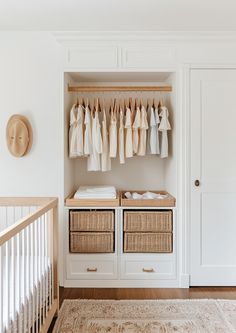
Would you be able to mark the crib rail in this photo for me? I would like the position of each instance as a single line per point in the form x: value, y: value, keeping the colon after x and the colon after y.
x: 29, y: 294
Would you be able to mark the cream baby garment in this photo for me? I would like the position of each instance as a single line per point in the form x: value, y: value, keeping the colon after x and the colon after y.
x: 152, y: 132
x: 163, y: 128
x: 136, y: 127
x: 113, y: 134
x: 76, y: 138
x: 157, y: 119
x: 121, y: 138
x: 106, y: 161
x: 87, y: 133
x: 94, y: 157
x: 128, y: 134
x: 143, y: 132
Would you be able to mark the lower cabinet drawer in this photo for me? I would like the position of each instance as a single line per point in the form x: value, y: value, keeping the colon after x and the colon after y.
x: 91, y: 269
x: 146, y: 269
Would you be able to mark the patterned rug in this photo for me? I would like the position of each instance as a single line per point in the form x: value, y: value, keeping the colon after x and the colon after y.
x: 161, y: 316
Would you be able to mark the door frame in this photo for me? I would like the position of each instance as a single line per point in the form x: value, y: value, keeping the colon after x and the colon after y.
x: 185, y: 164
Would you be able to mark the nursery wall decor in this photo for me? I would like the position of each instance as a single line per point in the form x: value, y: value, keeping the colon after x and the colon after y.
x: 19, y: 135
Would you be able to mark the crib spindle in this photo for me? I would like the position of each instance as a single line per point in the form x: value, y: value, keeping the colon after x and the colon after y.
x: 1, y: 289
x: 32, y: 231
x: 28, y: 264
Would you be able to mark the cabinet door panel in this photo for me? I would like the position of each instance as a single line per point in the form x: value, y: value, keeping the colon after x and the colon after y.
x: 213, y: 163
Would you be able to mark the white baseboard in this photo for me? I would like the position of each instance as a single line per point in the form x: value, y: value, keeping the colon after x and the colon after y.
x: 184, y: 281
x: 121, y: 284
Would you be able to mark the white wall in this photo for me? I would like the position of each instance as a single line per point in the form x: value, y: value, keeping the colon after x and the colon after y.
x: 30, y: 84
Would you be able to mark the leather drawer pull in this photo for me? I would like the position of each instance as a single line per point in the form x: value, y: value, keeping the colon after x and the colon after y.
x: 92, y: 269
x: 148, y: 270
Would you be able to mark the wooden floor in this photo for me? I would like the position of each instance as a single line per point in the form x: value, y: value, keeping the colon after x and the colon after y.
x: 144, y: 293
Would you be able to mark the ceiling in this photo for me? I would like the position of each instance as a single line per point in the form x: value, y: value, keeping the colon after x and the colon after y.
x: 118, y: 15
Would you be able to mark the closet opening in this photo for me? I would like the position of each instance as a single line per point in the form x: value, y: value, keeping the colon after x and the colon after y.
x: 145, y: 173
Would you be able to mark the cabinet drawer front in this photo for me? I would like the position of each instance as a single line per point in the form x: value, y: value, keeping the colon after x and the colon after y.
x: 135, y: 242
x: 145, y: 269
x: 91, y: 221
x: 91, y: 269
x: 92, y: 242
x: 139, y: 221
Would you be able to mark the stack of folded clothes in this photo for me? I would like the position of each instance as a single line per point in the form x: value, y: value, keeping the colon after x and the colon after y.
x: 95, y: 192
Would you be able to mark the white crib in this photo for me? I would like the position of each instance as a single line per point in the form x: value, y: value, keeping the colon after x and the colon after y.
x: 28, y: 264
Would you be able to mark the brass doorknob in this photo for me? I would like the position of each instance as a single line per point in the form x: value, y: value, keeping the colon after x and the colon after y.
x: 197, y: 182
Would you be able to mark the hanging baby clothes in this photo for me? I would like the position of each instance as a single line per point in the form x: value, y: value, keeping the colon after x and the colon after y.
x: 136, y: 127
x: 157, y: 118
x: 164, y: 127
x: 121, y: 138
x: 87, y: 133
x: 113, y: 134
x: 76, y: 141
x: 152, y: 132
x: 106, y: 161
x: 128, y: 134
x: 94, y: 157
x: 143, y: 133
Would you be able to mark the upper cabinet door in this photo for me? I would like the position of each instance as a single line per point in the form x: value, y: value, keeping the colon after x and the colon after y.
x: 92, y: 57
x: 213, y: 178
x: 148, y: 57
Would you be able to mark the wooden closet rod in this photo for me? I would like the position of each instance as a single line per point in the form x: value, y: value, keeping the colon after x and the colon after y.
x: 118, y: 88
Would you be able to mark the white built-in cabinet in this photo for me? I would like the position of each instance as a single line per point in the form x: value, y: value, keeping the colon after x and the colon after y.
x: 120, y: 269
x: 138, y: 173
x: 202, y: 147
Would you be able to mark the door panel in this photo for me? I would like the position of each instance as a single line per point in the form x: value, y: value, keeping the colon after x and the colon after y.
x: 213, y: 162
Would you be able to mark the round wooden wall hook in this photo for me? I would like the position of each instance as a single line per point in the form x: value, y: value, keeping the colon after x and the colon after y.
x: 19, y: 135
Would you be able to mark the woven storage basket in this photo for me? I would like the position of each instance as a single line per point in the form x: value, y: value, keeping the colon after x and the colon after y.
x: 148, y: 242
x: 92, y: 242
x: 159, y: 221
x: 92, y: 221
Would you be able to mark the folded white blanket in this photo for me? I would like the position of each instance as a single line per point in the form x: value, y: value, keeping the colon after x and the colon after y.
x: 98, y: 192
x: 146, y: 195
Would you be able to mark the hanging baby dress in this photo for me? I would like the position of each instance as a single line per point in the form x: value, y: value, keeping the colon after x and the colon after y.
x: 163, y: 128
x: 76, y: 142
x: 121, y: 138
x: 113, y: 134
x: 136, y: 127
x: 128, y: 134
x: 88, y: 132
x: 94, y: 157
x: 152, y: 132
x: 157, y: 119
x: 143, y: 133
x: 105, y: 159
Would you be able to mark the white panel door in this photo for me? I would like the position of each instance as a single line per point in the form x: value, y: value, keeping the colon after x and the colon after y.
x: 213, y: 164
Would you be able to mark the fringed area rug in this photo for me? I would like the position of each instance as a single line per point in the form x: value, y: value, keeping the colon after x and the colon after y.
x: 161, y: 316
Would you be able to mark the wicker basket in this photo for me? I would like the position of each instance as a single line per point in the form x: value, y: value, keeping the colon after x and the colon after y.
x: 143, y: 221
x: 148, y: 242
x: 92, y: 221
x: 92, y: 242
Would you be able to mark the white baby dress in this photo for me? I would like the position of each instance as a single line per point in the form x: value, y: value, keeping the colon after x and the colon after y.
x: 163, y: 128
x: 76, y: 144
x: 143, y: 133
x: 94, y: 157
x: 121, y: 138
x: 136, y: 127
x: 106, y: 160
x: 128, y: 134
